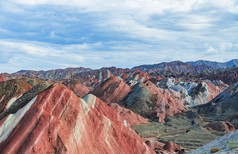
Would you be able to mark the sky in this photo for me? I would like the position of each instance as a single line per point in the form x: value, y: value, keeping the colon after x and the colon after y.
x: 51, y: 34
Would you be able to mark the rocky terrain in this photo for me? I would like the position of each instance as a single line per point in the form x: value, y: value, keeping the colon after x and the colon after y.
x: 57, y: 121
x: 165, y: 108
x: 228, y: 76
x: 198, y: 126
x: 222, y: 107
x: 199, y: 70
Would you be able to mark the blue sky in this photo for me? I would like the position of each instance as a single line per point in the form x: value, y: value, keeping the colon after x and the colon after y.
x: 50, y: 34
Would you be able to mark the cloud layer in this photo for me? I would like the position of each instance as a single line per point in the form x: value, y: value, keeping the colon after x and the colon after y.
x: 49, y: 34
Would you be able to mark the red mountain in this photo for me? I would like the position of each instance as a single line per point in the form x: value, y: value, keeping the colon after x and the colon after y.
x: 112, y: 90
x: 57, y: 121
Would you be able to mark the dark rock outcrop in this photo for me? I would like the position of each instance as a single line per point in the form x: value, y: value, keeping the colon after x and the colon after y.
x: 10, y: 90
x: 172, y: 147
x: 221, y: 126
x: 223, y: 106
x: 25, y: 98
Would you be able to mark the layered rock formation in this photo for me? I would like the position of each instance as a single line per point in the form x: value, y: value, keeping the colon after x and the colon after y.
x: 10, y: 90
x: 78, y: 88
x: 174, y: 66
x: 112, y: 90
x: 203, y: 93
x: 33, y: 82
x: 1, y: 78
x: 166, y: 83
x: 221, y: 126
x: 51, y: 118
x: 52, y: 74
x: 193, y: 93
x: 136, y: 76
x: 152, y: 102
x: 223, y: 106
x: 93, y: 78
x: 57, y: 121
x: 128, y: 115
x: 228, y: 76
x: 233, y: 62
x: 25, y: 98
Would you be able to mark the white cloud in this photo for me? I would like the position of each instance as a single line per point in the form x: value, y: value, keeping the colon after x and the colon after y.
x: 60, y: 33
x: 220, y: 47
x: 143, y: 6
x: 126, y: 54
x: 211, y: 50
x: 31, y: 49
x: 223, y: 46
x: 197, y: 22
x: 228, y: 5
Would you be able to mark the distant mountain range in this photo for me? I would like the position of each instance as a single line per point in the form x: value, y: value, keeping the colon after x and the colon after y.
x: 178, y: 69
x: 53, y: 74
x: 175, y: 66
x: 214, y: 64
x: 199, y: 66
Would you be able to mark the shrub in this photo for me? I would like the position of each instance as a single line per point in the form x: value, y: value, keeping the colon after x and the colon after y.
x: 232, y: 144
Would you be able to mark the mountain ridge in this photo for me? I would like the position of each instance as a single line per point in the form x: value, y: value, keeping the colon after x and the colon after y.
x: 214, y: 63
x: 177, y: 66
x: 176, y: 69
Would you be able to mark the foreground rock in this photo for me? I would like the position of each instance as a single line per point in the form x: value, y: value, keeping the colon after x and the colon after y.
x: 57, y: 121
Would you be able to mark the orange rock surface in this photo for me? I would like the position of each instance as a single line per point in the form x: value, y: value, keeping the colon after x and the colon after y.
x: 1, y: 78
x: 213, y: 91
